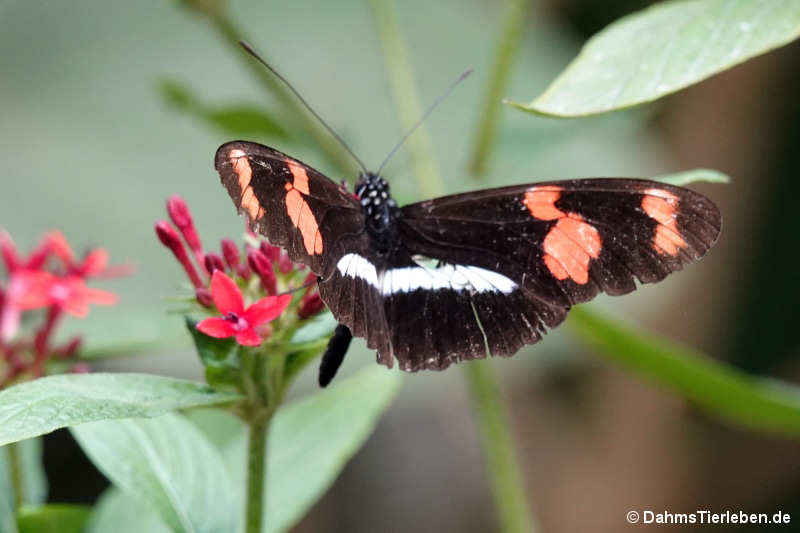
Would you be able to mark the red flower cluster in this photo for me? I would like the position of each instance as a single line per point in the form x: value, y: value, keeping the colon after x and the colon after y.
x: 217, y: 278
x: 36, y: 282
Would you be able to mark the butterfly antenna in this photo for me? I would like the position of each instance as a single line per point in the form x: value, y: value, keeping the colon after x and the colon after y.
x: 430, y: 109
x: 261, y: 60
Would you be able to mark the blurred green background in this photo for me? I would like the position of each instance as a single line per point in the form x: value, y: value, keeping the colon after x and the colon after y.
x: 91, y: 146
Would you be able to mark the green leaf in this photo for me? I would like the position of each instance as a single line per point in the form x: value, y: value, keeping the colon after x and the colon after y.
x: 663, y: 49
x: 33, y: 479
x: 46, y: 404
x: 311, y: 440
x: 54, y: 518
x: 317, y: 327
x: 219, y: 357
x: 167, y: 463
x: 118, y: 512
x: 236, y: 120
x: 692, y: 176
x: 742, y: 399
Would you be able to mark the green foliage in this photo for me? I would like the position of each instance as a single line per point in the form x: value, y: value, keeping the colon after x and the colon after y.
x: 238, y: 121
x: 41, y: 406
x: 219, y: 356
x: 682, y: 179
x: 311, y: 440
x: 665, y: 48
x: 751, y: 402
x: 31, y: 472
x: 167, y: 463
x: 54, y: 518
x: 118, y: 512
x: 156, y: 461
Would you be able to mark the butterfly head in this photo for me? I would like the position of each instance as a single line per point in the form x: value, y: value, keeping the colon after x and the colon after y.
x: 379, y: 207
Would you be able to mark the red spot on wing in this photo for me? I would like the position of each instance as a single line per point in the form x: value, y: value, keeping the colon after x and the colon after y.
x: 300, y: 212
x: 541, y: 202
x: 241, y: 167
x: 299, y: 175
x: 572, y: 243
x: 569, y: 246
x: 662, y: 206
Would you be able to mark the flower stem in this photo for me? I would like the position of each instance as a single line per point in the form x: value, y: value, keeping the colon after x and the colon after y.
x: 256, y: 474
x: 15, y: 471
x: 490, y: 113
x: 497, y: 443
x: 498, y: 448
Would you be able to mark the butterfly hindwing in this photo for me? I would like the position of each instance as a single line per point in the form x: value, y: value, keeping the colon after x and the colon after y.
x: 290, y: 203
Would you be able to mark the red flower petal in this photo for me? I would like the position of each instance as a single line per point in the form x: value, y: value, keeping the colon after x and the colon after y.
x: 216, y: 327
x: 9, y: 252
x: 100, y: 297
x: 60, y: 247
x: 248, y: 337
x: 227, y: 296
x: 95, y: 262
x: 266, y: 309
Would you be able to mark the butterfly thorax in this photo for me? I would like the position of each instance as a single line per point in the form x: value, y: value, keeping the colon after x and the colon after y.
x: 380, y: 210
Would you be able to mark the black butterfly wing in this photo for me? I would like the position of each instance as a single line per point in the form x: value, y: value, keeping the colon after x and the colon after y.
x: 291, y: 204
x: 513, y: 260
x: 315, y: 220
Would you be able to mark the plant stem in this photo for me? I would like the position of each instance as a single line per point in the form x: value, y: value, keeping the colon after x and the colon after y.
x: 231, y: 35
x: 15, y: 468
x: 406, y: 99
x: 490, y: 113
x: 256, y: 473
x: 497, y: 442
x: 484, y: 388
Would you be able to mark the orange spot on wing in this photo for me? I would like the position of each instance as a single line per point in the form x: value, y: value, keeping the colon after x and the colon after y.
x: 299, y: 175
x: 250, y: 204
x: 541, y: 202
x: 303, y: 218
x: 569, y: 246
x: 662, y: 206
x: 243, y: 171
x: 241, y: 167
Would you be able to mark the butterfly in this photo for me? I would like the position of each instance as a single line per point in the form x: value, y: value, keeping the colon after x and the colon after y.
x: 454, y: 278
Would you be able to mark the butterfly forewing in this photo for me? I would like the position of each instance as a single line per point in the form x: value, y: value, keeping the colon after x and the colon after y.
x: 290, y: 203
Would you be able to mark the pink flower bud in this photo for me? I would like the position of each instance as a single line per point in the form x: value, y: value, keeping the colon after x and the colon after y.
x: 230, y: 252
x: 272, y: 253
x: 213, y: 262
x: 285, y: 264
x: 310, y: 306
x: 263, y: 269
x: 169, y: 238
x: 182, y: 218
x: 203, y: 296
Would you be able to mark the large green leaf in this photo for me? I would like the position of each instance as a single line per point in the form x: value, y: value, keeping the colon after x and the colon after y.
x: 748, y: 401
x: 54, y: 518
x: 167, y: 463
x: 311, y: 440
x: 118, y: 512
x: 40, y: 406
x: 665, y: 48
